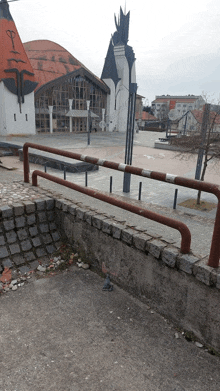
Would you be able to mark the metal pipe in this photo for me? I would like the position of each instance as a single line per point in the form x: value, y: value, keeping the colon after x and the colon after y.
x: 175, y: 198
x: 181, y: 181
x: 178, y: 225
x: 140, y: 188
x: 86, y: 178
x: 110, y: 184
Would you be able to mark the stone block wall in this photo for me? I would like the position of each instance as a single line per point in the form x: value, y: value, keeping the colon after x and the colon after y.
x: 27, y: 232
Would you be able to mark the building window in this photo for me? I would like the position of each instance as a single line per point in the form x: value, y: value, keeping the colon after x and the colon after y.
x: 26, y: 117
x: 14, y: 117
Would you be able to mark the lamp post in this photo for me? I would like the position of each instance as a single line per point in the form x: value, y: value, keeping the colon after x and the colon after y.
x: 88, y: 127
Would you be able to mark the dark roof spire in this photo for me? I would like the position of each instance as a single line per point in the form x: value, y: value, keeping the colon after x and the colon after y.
x: 4, y: 10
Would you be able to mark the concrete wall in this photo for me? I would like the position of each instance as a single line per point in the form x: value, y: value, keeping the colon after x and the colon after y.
x: 12, y: 121
x: 181, y: 287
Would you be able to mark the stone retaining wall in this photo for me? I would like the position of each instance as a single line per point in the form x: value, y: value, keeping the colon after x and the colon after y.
x: 27, y: 232
x: 181, y: 287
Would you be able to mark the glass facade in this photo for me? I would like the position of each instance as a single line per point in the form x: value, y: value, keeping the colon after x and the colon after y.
x: 79, y: 89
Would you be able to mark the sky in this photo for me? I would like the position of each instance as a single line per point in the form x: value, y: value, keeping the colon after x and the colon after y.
x: 176, y: 44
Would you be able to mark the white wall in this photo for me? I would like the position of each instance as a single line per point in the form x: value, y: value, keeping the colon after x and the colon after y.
x: 13, y: 121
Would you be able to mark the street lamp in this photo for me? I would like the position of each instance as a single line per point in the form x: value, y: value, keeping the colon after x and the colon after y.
x: 88, y: 114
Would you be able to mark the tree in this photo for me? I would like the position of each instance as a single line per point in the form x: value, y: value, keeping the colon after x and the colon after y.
x: 148, y: 109
x: 205, y: 141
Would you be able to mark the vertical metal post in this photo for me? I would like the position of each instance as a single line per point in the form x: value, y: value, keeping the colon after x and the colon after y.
x: 86, y: 178
x: 110, y: 184
x: 175, y: 198
x: 205, y: 121
x: 88, y: 122
x: 45, y: 167
x: 130, y: 135
x: 140, y: 188
x: 64, y: 173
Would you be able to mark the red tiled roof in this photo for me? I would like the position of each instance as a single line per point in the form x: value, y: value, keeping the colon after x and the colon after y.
x: 50, y: 60
x: 178, y: 100
x: 146, y: 116
x: 12, y: 52
x: 198, y: 115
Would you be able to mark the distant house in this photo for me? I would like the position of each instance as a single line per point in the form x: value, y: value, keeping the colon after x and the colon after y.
x: 192, y: 121
x: 181, y: 104
x: 146, y: 121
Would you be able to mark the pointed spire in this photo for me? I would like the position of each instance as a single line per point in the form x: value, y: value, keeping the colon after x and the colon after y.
x: 4, y: 10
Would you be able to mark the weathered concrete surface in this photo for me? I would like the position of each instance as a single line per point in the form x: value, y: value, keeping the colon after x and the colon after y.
x: 65, y: 334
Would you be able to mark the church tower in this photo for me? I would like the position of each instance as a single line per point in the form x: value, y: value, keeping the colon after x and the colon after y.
x: 119, y: 74
x: 17, y: 82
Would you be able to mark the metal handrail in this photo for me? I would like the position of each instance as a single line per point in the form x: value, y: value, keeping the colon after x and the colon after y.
x: 181, y: 181
x: 178, y: 225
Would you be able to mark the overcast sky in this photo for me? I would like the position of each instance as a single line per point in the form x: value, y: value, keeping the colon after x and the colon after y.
x: 176, y: 44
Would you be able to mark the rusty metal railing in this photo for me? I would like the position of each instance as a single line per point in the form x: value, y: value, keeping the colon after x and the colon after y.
x: 181, y: 181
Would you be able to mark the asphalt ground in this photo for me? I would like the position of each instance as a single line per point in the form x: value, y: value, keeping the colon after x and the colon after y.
x: 64, y: 333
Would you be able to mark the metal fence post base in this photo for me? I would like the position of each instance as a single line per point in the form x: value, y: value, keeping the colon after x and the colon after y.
x: 127, y: 182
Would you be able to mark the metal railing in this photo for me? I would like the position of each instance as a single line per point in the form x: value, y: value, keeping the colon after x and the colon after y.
x: 173, y: 179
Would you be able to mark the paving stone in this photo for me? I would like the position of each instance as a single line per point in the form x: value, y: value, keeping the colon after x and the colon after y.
x: 36, y: 241
x: 72, y: 209
x: 58, y: 244
x: 50, y: 204
x: 6, y: 211
x: 46, y: 238
x: 33, y: 265
x: 52, y: 226
x: 9, y: 224
x: 127, y: 235
x: 42, y: 217
x: 20, y: 221
x: 55, y: 236
x: 44, y: 228
x: 59, y: 203
x: 31, y: 219
x: 116, y: 231
x: 80, y: 214
x: 51, y: 248
x: 155, y: 247
x: 14, y: 249
x: 18, y: 209
x: 107, y: 226
x: 26, y: 245
x: 29, y: 207
x: 22, y: 234
x: 169, y: 256
x: 29, y: 256
x: 3, y: 252
x: 140, y: 240
x: 186, y: 263
x: 65, y: 206
x: 33, y: 231
x: 24, y: 269
x: 202, y: 272
x: 41, y: 252
x: 7, y: 263
x: 97, y: 221
x: 50, y: 215
x: 88, y: 217
x: 18, y: 260
x: 2, y: 240
x: 40, y: 204
x: 11, y: 236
